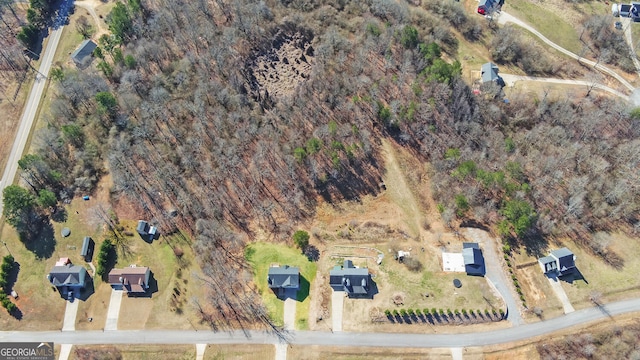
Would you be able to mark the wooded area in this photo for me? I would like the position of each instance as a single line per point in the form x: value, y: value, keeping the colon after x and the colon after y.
x: 183, y: 124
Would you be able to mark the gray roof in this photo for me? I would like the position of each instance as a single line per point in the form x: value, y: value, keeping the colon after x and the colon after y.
x: 546, y: 259
x: 473, y: 259
x: 349, y: 278
x: 489, y: 72
x: 560, y: 253
x: 283, y: 277
x: 85, y: 49
x: 143, y: 226
x: 85, y: 246
x: 67, y: 275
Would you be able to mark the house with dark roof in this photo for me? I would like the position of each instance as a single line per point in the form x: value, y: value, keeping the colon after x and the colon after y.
x: 489, y: 74
x: 146, y: 231
x: 67, y: 277
x: 356, y: 282
x: 473, y: 259
x: 84, y: 53
x: 280, y: 278
x: 87, y: 248
x: 558, y: 262
x: 132, y: 279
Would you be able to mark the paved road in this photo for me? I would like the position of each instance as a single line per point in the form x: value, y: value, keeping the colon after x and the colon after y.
x: 29, y: 114
x: 523, y: 332
x: 504, y: 18
x: 512, y: 79
x: 496, y: 275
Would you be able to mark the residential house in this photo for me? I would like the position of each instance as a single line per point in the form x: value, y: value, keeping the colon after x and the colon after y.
x: 559, y: 262
x: 473, y: 259
x: 489, y: 74
x: 356, y: 282
x: 280, y: 278
x: 83, y: 54
x: 146, y: 231
x: 67, y: 277
x: 132, y: 279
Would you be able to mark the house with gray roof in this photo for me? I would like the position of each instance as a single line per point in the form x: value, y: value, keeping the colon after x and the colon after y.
x: 356, y: 282
x: 68, y: 277
x: 84, y: 53
x: 558, y: 262
x: 473, y: 259
x: 283, y: 277
x: 489, y: 74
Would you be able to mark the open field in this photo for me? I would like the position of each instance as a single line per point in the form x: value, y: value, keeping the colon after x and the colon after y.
x: 134, y: 352
x: 261, y: 255
x: 239, y: 352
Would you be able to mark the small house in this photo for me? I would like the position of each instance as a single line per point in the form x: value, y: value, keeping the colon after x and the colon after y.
x: 283, y: 277
x: 350, y: 279
x: 489, y: 74
x: 473, y: 259
x: 143, y: 228
x: 83, y: 54
x: 559, y: 262
x: 87, y: 248
x: 132, y: 279
x: 67, y: 277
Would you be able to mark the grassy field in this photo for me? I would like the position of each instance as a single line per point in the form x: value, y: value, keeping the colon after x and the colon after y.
x: 260, y: 256
x: 548, y: 23
x: 368, y: 353
x: 239, y: 352
x: 134, y: 352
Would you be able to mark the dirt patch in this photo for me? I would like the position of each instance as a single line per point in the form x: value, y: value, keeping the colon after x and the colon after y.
x: 276, y: 71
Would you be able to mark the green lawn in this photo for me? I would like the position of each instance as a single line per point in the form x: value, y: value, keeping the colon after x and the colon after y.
x: 547, y: 23
x: 260, y: 256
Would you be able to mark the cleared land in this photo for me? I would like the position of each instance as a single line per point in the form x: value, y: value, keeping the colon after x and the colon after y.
x: 134, y: 352
x: 239, y: 352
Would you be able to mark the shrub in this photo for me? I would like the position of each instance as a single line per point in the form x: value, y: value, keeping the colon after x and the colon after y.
x: 410, y: 312
x: 456, y: 311
x: 403, y: 312
x: 464, y: 311
x: 395, y: 312
x: 387, y: 312
x: 412, y: 264
x: 418, y: 312
x: 434, y: 311
x: 301, y: 239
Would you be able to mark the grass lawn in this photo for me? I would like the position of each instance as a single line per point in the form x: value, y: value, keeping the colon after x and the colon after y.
x: 239, y: 352
x: 260, y: 255
x: 134, y: 352
x: 548, y: 23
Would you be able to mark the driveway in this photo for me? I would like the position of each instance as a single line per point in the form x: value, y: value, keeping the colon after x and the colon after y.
x: 281, y: 351
x: 337, y: 307
x: 510, y: 80
x: 65, y: 351
x: 504, y: 18
x: 200, y: 349
x: 495, y: 274
x: 290, y: 309
x: 70, y: 313
x: 561, y: 295
x: 114, y: 310
x: 626, y: 23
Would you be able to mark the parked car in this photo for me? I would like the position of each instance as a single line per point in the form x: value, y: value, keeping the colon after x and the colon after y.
x: 486, y: 6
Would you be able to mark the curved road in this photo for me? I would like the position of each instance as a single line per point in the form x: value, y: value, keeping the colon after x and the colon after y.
x: 504, y: 18
x: 512, y: 79
x: 507, y: 335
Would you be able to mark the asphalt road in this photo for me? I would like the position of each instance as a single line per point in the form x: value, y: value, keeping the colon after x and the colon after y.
x: 29, y: 113
x: 507, y: 335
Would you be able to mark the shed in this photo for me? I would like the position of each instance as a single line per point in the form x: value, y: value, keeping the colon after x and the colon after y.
x: 83, y: 54
x: 143, y: 228
x: 87, y: 248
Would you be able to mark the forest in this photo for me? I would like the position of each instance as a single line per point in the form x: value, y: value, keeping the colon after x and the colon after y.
x: 237, y: 114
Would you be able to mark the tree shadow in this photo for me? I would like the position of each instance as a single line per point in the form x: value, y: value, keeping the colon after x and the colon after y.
x: 12, y: 277
x: 39, y: 238
x: 574, y: 275
x: 16, y: 313
x: 312, y: 253
x: 303, y: 291
x: 59, y: 215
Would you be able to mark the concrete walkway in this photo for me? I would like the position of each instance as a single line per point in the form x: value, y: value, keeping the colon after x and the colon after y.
x: 504, y: 18
x: 456, y: 353
x: 337, y: 307
x: 65, y: 351
x: 561, y: 295
x: 495, y: 274
x: 200, y: 349
x: 70, y: 314
x: 114, y: 310
x: 281, y: 351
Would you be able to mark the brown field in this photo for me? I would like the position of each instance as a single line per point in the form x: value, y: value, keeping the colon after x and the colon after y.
x: 239, y: 352
x: 135, y: 352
